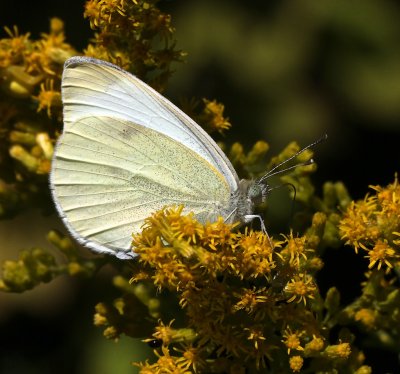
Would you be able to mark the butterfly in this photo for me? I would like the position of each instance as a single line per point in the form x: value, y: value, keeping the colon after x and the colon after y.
x: 126, y: 151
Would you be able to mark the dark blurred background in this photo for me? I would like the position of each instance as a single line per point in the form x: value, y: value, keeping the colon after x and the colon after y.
x: 285, y: 70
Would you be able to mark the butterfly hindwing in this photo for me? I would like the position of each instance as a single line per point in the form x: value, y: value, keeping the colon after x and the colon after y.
x: 109, y: 174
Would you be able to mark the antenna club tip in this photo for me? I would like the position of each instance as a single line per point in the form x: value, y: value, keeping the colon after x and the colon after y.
x: 320, y: 140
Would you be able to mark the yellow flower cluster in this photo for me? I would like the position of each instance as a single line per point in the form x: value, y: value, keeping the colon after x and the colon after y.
x: 245, y: 304
x: 36, y: 265
x: 135, y: 35
x: 30, y: 112
x: 27, y: 66
x: 212, y: 118
x: 373, y: 225
x: 208, y: 114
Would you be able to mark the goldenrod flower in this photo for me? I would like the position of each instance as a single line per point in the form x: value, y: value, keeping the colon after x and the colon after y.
x: 367, y: 317
x: 296, y: 363
x: 99, y: 320
x: 301, y: 288
x: 14, y: 48
x: 93, y: 11
x: 294, y: 249
x: 164, y: 332
x: 213, y: 117
x: 129, y: 33
x: 48, y: 97
x: 292, y: 340
x: 382, y: 253
x: 389, y: 198
x: 251, y: 300
x: 254, y: 255
x: 258, y: 151
x: 186, y: 228
x: 166, y: 363
x: 357, y: 225
x: 256, y: 335
x: 339, y: 351
x: 191, y: 358
x: 111, y: 333
x: 372, y: 225
x: 315, y: 345
x: 364, y: 370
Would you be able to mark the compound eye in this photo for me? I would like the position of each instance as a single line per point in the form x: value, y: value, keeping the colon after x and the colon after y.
x: 255, y: 192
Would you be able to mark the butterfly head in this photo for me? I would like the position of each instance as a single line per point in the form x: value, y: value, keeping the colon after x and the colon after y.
x: 257, y: 191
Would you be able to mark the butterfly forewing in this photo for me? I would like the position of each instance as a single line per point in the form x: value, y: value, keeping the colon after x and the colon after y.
x: 96, y: 88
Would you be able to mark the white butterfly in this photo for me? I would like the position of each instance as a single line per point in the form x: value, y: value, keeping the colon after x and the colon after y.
x: 126, y: 151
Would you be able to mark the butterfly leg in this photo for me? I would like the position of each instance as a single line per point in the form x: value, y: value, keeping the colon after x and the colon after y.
x: 249, y: 217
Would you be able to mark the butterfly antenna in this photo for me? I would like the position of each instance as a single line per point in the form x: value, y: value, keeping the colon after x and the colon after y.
x: 272, y: 171
x: 269, y: 174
